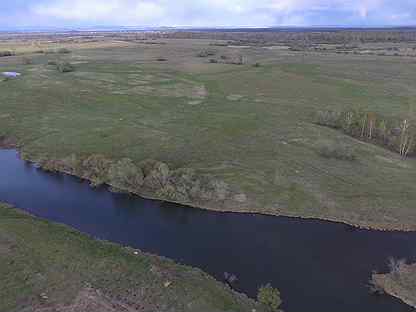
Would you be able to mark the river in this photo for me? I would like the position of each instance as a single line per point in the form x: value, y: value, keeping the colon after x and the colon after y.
x: 318, y: 266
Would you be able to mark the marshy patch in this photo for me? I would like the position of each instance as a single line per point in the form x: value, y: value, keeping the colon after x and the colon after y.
x: 10, y: 75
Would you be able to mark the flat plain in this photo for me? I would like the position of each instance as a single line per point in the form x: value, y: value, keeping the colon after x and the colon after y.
x: 250, y: 126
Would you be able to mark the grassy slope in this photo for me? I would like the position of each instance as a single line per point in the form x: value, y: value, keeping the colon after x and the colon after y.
x: 400, y: 284
x: 263, y: 143
x: 40, y: 258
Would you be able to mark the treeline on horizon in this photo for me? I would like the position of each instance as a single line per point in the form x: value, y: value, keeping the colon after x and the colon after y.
x: 249, y: 35
x: 311, y: 36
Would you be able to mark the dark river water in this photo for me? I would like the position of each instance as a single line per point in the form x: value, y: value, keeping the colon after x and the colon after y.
x: 318, y: 266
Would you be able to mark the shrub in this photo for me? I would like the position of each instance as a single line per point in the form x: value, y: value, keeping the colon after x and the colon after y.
x: 52, y: 62
x: 95, y: 168
x: 328, y: 119
x: 269, y: 297
x: 213, y: 61
x: 26, y: 61
x: 63, y: 51
x: 336, y: 150
x: 6, y: 53
x: 375, y: 287
x: 236, y: 60
x: 65, y: 67
x: 257, y: 65
x: 156, y: 174
x: 396, y: 266
x: 206, y: 53
x: 125, y: 175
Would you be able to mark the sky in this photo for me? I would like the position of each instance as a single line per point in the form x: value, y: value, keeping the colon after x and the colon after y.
x: 206, y: 13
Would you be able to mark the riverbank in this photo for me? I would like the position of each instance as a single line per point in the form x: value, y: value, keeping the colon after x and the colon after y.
x: 399, y: 283
x: 45, y: 266
x: 153, y: 179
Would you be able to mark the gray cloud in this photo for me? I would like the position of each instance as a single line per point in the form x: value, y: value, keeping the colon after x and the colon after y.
x: 209, y: 12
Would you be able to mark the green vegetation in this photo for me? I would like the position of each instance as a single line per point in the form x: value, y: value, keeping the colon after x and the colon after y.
x: 49, y: 267
x: 400, y: 282
x: 206, y: 53
x: 336, y: 150
x: 250, y: 128
x: 63, y: 51
x: 26, y: 61
x: 64, y: 67
x: 396, y: 134
x: 269, y: 297
x: 6, y: 53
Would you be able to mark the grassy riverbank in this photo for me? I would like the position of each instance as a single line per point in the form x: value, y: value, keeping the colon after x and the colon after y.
x: 399, y: 283
x: 247, y: 132
x: 49, y: 267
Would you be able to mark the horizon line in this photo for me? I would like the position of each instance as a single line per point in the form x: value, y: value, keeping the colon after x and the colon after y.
x: 143, y: 28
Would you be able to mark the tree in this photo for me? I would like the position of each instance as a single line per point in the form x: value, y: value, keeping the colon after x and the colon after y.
x: 269, y: 297
x: 64, y: 67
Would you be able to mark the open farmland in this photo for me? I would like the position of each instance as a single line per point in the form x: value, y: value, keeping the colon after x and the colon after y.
x: 250, y: 127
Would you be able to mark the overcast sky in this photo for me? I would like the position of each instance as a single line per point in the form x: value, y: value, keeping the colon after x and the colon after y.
x: 199, y: 13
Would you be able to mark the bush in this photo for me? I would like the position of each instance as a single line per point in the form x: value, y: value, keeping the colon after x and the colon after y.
x: 328, y: 118
x: 63, y: 51
x: 233, y: 59
x: 396, y: 266
x: 65, y: 67
x: 336, y: 150
x: 206, y: 53
x: 269, y: 297
x: 125, y: 175
x: 257, y: 65
x: 6, y: 53
x: 95, y: 168
x: 26, y: 61
x: 52, y: 62
x: 375, y: 287
x: 213, y: 61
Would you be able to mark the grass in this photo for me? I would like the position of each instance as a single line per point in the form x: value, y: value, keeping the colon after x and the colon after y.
x: 49, y: 266
x: 252, y: 127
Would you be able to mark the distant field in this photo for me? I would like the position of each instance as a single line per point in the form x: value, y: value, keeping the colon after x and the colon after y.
x: 250, y: 126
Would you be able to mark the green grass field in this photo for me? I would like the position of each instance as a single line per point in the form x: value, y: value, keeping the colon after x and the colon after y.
x: 49, y: 267
x: 251, y: 127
